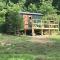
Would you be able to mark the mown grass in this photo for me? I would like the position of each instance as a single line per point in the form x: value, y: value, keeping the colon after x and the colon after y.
x: 15, y: 57
x: 55, y: 38
x: 21, y: 48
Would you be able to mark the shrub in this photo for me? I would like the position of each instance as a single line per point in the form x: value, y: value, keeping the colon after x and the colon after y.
x: 13, y: 23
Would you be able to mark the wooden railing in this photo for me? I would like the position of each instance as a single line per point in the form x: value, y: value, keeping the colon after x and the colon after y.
x: 42, y: 26
x: 37, y: 25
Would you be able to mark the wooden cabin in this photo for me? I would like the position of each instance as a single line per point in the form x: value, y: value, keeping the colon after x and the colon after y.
x: 34, y: 25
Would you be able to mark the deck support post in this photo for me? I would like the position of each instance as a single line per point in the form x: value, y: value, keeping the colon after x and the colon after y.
x: 49, y: 31
x: 41, y: 31
x: 33, y: 33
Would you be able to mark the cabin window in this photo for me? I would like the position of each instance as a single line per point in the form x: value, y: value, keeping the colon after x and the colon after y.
x: 36, y: 19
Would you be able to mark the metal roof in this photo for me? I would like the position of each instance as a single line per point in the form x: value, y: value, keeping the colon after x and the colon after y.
x: 28, y: 13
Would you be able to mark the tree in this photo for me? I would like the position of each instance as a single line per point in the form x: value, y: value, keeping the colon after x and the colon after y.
x: 56, y: 4
x: 32, y: 8
x: 47, y: 8
x: 2, y: 14
x: 32, y: 5
x: 12, y: 17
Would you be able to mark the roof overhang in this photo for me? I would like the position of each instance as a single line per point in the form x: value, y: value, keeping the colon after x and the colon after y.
x: 28, y: 13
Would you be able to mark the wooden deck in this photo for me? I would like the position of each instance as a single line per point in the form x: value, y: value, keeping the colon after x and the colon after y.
x: 50, y: 26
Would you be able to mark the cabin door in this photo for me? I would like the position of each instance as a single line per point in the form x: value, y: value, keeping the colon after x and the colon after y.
x: 25, y: 17
x: 30, y: 22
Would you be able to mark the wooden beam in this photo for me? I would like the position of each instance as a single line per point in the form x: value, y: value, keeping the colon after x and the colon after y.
x: 33, y: 33
x: 41, y: 31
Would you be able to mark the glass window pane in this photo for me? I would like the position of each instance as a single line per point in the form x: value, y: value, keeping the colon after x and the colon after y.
x: 36, y: 18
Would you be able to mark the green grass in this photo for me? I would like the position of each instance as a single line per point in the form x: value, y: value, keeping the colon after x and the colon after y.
x: 21, y: 48
x: 15, y: 57
x: 55, y: 38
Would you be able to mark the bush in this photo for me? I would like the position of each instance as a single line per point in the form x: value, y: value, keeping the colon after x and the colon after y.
x: 13, y: 23
x: 50, y: 17
x: 2, y: 24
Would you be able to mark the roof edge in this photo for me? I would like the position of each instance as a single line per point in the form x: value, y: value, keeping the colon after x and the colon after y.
x: 29, y: 13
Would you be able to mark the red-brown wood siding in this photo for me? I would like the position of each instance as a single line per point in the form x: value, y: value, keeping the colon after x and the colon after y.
x: 25, y: 18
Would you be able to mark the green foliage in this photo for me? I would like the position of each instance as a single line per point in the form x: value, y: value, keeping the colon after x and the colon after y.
x: 43, y: 6
x: 50, y: 17
x: 56, y: 3
x: 36, y: 2
x: 47, y: 8
x: 14, y: 22
x: 12, y: 17
x: 13, y: 7
x: 14, y: 1
x: 2, y: 15
x: 32, y: 8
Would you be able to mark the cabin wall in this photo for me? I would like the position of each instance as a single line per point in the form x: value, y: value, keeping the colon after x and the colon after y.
x: 36, y: 26
x: 25, y: 19
x: 27, y: 22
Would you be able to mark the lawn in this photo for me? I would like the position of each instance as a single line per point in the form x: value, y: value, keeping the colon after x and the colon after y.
x: 55, y: 38
x: 21, y: 48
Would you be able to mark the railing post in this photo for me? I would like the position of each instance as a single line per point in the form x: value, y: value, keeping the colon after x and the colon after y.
x: 33, y: 33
